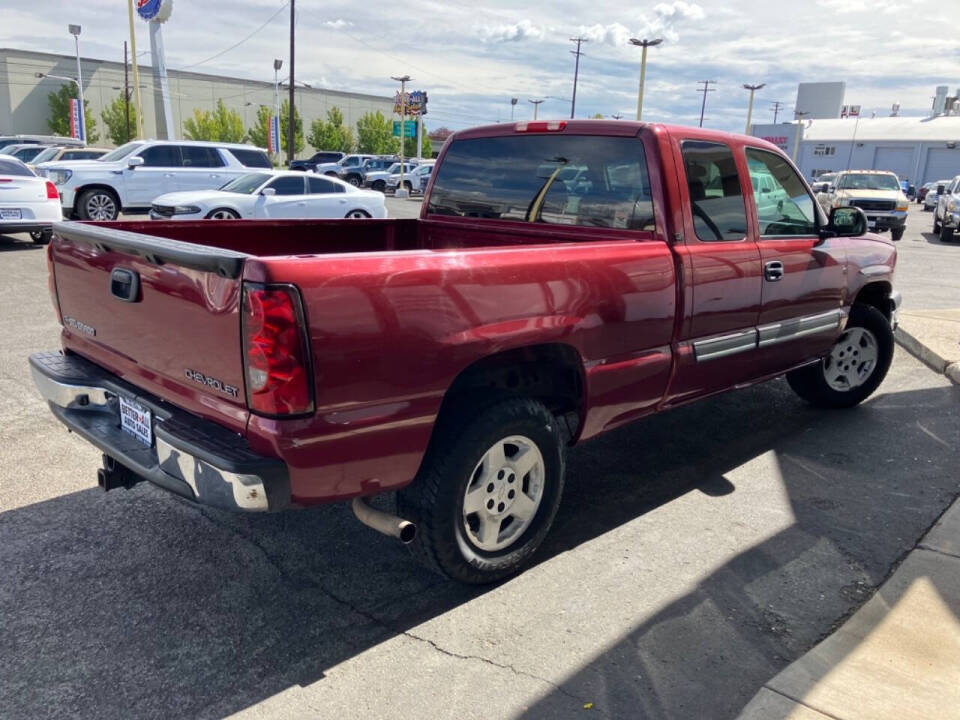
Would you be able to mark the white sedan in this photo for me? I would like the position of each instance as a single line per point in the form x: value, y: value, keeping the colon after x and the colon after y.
x: 27, y: 203
x: 271, y: 195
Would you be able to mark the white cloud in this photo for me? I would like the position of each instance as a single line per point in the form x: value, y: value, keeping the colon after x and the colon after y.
x: 338, y: 24
x: 523, y: 30
x: 679, y: 9
x: 662, y: 22
x: 613, y: 34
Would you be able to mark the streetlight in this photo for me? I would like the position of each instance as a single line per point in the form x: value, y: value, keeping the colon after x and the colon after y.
x: 536, y: 106
x: 752, y: 89
x: 75, y: 31
x: 513, y: 104
x: 796, y: 141
x: 401, y: 191
x: 277, y: 64
x: 643, y: 67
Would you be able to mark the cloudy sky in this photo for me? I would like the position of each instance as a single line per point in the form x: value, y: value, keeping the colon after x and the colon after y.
x: 473, y: 56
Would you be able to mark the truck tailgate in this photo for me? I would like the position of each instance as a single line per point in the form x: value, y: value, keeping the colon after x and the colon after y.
x: 162, y: 314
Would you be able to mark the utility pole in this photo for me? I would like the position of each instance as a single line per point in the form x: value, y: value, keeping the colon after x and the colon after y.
x: 126, y: 89
x: 291, y: 134
x: 752, y: 89
x: 796, y: 141
x: 705, y: 89
x: 536, y: 106
x: 576, y: 72
x: 401, y: 191
x: 776, y: 110
x: 643, y: 68
x: 136, y: 71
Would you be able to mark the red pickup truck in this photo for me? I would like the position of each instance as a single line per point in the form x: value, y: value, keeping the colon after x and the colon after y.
x: 564, y: 278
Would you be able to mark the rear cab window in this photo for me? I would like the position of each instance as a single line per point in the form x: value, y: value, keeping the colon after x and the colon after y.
x: 251, y: 158
x: 201, y: 156
x: 579, y: 180
x: 716, y: 199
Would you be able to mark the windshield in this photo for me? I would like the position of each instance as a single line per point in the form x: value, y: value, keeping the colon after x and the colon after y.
x: 121, y: 152
x: 246, y: 184
x: 869, y: 181
x: 46, y: 155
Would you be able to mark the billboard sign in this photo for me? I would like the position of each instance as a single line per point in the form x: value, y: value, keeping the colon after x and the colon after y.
x: 76, y: 120
x: 416, y: 103
x: 155, y: 10
x: 273, y: 136
x: 409, y: 128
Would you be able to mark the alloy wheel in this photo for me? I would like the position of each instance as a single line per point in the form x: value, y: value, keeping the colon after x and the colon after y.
x: 101, y: 207
x: 852, y: 360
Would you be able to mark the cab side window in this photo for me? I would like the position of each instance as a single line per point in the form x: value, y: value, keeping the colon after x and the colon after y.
x: 716, y: 201
x: 319, y: 185
x: 784, y: 207
x: 161, y: 156
x: 288, y: 185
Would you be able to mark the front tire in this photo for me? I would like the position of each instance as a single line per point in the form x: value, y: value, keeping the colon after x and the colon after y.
x: 896, y: 233
x: 855, y: 367
x: 357, y: 214
x: 379, y: 186
x: 936, y: 223
x: 488, y: 490
x: 41, y: 237
x: 222, y: 214
x: 98, y: 204
x: 946, y: 233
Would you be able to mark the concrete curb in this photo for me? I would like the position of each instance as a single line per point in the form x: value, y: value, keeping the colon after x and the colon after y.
x: 927, y: 356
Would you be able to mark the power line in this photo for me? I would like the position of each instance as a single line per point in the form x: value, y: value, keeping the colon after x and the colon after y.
x: 576, y: 71
x: 705, y: 89
x: 776, y: 110
x: 238, y: 44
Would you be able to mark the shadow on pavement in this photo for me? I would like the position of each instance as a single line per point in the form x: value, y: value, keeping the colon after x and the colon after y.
x: 934, y: 239
x: 135, y: 604
x: 17, y: 242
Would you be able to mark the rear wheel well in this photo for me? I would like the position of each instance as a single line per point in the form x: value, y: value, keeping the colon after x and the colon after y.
x: 876, y: 294
x: 550, y: 373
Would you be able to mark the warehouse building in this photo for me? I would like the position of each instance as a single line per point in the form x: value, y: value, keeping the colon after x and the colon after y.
x: 918, y: 149
x: 24, y: 107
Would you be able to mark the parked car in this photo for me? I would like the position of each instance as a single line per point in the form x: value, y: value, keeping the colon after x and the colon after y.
x: 946, y: 215
x: 411, y: 180
x: 378, y: 179
x: 28, y: 203
x: 922, y: 192
x: 425, y: 178
x: 347, y: 162
x: 931, y: 196
x: 876, y: 192
x: 822, y: 180
x: 56, y: 153
x: 267, y: 365
x: 318, y: 158
x: 23, y: 153
x: 6, y: 140
x: 289, y: 194
x: 130, y: 177
x: 356, y: 175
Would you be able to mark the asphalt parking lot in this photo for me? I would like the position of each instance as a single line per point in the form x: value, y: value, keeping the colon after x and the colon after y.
x: 695, y: 555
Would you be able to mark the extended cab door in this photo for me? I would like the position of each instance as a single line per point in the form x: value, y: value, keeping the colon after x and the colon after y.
x: 721, y: 269
x: 803, y: 276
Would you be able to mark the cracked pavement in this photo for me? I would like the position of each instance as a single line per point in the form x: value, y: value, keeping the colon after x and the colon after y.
x: 695, y: 555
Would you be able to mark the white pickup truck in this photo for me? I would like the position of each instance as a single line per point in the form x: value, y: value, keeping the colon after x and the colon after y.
x: 876, y: 192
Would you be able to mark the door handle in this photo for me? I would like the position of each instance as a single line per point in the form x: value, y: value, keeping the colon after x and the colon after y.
x: 168, y: 175
x: 773, y: 270
x: 214, y: 175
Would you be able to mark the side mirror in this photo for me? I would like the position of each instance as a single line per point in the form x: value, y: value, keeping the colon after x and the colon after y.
x: 134, y: 162
x: 268, y: 192
x: 847, y: 222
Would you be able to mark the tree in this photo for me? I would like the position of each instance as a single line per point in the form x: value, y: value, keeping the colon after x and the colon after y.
x: 114, y: 118
x: 332, y: 134
x: 221, y: 125
x: 59, y: 120
x: 598, y: 116
x: 375, y: 135
x: 261, y: 130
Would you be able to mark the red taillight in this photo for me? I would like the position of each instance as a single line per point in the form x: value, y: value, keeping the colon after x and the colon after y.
x: 52, y: 193
x: 276, y: 356
x: 542, y: 126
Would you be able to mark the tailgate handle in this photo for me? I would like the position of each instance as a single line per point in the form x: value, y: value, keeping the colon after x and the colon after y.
x: 125, y: 285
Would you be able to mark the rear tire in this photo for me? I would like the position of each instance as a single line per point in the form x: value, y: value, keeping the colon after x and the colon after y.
x: 855, y: 367
x: 353, y: 180
x: 98, y: 204
x: 357, y: 214
x: 41, y: 237
x: 379, y: 186
x: 896, y: 233
x: 488, y: 489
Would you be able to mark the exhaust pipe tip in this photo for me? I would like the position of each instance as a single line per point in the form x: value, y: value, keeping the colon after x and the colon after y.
x: 384, y: 522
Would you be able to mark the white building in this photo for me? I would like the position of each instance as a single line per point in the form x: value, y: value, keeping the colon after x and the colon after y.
x: 24, y: 107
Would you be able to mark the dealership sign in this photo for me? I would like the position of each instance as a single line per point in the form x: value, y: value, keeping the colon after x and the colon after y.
x: 155, y: 10
x: 76, y: 120
x: 415, y: 103
x: 273, y: 137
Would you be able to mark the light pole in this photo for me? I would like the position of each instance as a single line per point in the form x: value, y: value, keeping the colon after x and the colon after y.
x: 75, y: 31
x: 643, y: 67
x: 277, y: 64
x: 513, y: 104
x: 752, y: 89
x: 401, y: 191
x: 576, y: 72
x: 536, y: 106
x: 76, y: 82
x: 796, y: 140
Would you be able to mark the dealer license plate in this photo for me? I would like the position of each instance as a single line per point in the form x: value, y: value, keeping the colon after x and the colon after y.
x: 872, y: 224
x: 10, y: 214
x: 136, y: 421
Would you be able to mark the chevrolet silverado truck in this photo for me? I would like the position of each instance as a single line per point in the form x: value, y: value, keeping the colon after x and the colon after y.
x: 452, y: 359
x: 876, y: 192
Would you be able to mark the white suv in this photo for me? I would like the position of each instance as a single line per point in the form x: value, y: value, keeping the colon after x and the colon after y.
x: 130, y: 177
